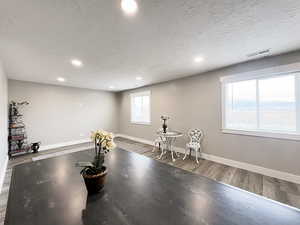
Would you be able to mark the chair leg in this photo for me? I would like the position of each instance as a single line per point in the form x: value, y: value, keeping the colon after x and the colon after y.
x: 172, y: 154
x: 196, y: 150
x: 153, y: 150
x: 185, y: 153
x: 200, y: 152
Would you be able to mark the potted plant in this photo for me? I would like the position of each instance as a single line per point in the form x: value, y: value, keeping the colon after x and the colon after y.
x: 94, y: 173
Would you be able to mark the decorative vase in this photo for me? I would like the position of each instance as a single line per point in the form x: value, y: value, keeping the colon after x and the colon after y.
x: 95, y: 183
x: 35, y: 147
x: 164, y: 126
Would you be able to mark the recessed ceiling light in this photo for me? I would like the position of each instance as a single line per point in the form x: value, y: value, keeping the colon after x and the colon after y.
x: 129, y: 6
x: 139, y: 78
x: 61, y: 79
x: 76, y: 63
x: 111, y: 87
x: 198, y: 59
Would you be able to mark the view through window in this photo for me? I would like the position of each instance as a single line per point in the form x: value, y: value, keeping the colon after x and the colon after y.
x: 267, y: 104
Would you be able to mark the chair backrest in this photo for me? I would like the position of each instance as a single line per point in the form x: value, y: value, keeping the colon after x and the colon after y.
x: 195, y: 135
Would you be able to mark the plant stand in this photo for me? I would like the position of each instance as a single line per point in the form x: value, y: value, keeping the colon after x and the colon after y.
x: 17, y: 137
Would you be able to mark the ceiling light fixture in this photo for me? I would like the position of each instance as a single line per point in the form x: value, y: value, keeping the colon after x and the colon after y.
x: 111, y: 87
x: 76, y: 63
x: 198, y: 59
x: 61, y: 79
x: 129, y: 6
x: 139, y: 78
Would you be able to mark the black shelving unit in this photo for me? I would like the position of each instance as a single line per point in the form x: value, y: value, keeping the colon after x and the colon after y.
x: 17, y: 137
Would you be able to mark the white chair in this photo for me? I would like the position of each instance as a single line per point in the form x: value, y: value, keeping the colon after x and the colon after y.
x: 159, y: 142
x: 195, y: 136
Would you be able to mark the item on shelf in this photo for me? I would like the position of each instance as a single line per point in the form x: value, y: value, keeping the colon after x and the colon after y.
x: 20, y: 143
x: 14, y: 110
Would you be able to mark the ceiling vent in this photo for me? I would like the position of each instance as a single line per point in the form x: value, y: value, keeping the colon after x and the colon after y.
x: 259, y: 53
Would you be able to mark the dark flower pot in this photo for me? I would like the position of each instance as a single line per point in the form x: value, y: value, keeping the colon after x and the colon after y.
x: 94, y: 183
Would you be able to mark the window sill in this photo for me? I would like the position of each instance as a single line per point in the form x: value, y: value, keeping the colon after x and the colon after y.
x: 141, y: 123
x: 290, y: 136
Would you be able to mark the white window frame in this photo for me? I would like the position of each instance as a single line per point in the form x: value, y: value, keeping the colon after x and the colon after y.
x: 137, y: 94
x: 260, y: 74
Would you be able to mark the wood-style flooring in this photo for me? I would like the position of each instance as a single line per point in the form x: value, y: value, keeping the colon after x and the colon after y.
x: 269, y: 187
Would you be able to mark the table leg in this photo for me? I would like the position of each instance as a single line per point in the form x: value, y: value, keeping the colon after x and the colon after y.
x: 161, y: 154
x: 168, y: 141
x: 173, y: 159
x: 171, y: 149
x: 162, y: 148
x: 176, y: 153
x: 163, y: 151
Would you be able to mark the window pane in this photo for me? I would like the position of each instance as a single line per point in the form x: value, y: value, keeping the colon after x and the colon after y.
x: 137, y: 108
x: 241, y: 105
x: 146, y: 108
x: 277, y: 104
x: 140, y: 107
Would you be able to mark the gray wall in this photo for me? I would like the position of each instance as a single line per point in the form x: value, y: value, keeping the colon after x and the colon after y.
x: 59, y: 114
x: 195, y: 102
x: 3, y: 122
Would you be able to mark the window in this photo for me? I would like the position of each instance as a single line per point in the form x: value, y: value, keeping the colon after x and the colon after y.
x: 262, y: 105
x: 140, y: 107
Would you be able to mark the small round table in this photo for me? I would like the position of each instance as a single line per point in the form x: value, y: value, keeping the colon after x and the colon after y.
x: 168, y: 139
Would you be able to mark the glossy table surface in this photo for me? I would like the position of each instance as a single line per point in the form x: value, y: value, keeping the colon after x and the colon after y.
x: 138, y: 191
x: 170, y: 134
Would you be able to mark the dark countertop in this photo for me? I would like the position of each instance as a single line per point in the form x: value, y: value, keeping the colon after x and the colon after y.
x: 139, y: 191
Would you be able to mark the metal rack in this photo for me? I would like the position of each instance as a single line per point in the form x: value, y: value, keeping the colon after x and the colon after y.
x: 17, y: 137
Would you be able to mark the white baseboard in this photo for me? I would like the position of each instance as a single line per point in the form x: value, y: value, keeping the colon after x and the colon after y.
x: 135, y: 139
x: 63, y: 144
x: 2, y: 173
x: 238, y: 164
x: 254, y: 168
x: 59, y: 153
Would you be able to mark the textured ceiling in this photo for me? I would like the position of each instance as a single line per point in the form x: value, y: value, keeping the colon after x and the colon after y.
x: 159, y: 43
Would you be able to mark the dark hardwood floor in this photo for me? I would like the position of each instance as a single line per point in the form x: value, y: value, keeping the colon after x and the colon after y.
x: 269, y: 187
x: 272, y: 188
x: 138, y: 191
x: 26, y: 159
